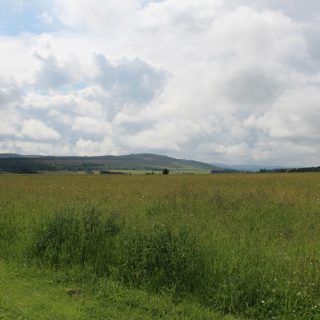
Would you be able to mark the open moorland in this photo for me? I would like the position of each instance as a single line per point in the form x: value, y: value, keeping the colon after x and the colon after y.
x: 232, y: 246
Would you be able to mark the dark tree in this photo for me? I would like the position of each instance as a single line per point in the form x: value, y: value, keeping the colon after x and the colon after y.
x: 165, y: 171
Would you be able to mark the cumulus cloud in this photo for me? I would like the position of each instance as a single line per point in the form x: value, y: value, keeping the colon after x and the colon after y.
x: 254, y: 89
x: 9, y: 92
x: 294, y: 118
x: 53, y: 75
x: 37, y: 130
x: 219, y: 81
x: 130, y: 81
x: 9, y: 123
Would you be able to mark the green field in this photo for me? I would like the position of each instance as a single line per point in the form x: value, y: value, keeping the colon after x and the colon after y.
x: 230, y: 246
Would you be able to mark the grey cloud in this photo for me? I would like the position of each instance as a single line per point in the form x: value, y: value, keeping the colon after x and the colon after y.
x: 297, y: 9
x: 131, y: 81
x: 254, y: 88
x: 51, y: 75
x: 293, y: 119
x: 9, y: 92
x: 312, y: 36
x: 132, y: 127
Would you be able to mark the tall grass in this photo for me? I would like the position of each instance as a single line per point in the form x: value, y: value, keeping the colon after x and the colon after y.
x: 242, y: 244
x: 8, y: 233
x: 68, y: 239
x: 161, y: 258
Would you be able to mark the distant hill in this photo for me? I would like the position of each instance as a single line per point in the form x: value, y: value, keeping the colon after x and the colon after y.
x: 265, y: 168
x: 10, y: 155
x: 247, y: 167
x: 143, y: 161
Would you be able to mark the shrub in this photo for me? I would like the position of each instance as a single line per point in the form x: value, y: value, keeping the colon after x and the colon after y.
x: 165, y: 171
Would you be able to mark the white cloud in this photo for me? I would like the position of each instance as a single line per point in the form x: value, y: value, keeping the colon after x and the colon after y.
x: 45, y: 18
x: 37, y: 130
x: 294, y: 117
x: 33, y: 148
x: 98, y: 15
x: 90, y: 126
x: 106, y: 146
x: 9, y: 123
x: 233, y: 81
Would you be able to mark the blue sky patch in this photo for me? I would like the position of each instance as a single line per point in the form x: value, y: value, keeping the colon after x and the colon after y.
x: 32, y: 16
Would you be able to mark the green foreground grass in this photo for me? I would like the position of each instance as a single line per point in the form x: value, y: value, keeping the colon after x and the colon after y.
x: 244, y: 245
x: 32, y: 293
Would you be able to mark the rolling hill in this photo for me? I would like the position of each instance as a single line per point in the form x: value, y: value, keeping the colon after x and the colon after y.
x: 145, y: 161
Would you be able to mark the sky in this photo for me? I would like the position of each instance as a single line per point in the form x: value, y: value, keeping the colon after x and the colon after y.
x: 234, y: 81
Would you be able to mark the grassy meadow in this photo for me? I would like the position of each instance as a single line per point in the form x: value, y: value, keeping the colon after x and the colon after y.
x: 227, y: 246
